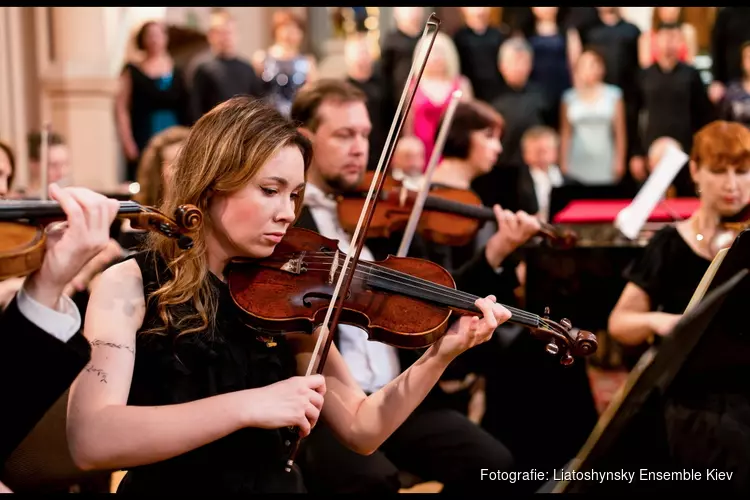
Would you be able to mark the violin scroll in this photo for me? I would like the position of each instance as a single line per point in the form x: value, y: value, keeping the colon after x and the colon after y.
x: 187, y: 219
x: 563, y: 336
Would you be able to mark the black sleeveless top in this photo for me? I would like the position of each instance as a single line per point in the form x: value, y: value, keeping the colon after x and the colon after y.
x: 172, y: 370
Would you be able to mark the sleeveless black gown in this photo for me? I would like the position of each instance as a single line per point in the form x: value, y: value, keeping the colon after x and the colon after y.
x: 172, y: 370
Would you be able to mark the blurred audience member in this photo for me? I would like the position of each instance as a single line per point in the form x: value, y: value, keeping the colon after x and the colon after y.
x: 397, y: 51
x: 523, y: 104
x: 440, y: 79
x: 365, y: 74
x: 225, y: 74
x: 592, y: 117
x: 648, y: 47
x: 555, y: 51
x: 617, y: 41
x: 408, y: 161
x: 730, y: 31
x: 58, y: 164
x: 674, y: 99
x: 7, y: 167
x: 540, y: 172
x: 283, y: 67
x: 477, y: 44
x: 152, y: 97
x: 735, y: 106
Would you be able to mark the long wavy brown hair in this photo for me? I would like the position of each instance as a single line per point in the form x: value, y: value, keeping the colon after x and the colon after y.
x: 151, y: 165
x: 223, y: 152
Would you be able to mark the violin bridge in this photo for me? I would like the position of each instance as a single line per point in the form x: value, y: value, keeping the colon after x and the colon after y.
x: 334, y: 267
x: 295, y: 266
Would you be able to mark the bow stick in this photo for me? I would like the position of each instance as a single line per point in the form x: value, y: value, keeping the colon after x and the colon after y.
x: 416, y: 211
x: 333, y: 314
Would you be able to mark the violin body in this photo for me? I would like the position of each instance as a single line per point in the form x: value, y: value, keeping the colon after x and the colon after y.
x: 21, y: 249
x: 449, y: 217
x: 400, y: 301
x: 391, y: 215
x: 291, y: 290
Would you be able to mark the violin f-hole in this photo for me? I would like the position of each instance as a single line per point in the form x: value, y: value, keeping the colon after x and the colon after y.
x: 320, y: 295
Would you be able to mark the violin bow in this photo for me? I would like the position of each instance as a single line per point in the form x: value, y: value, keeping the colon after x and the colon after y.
x: 44, y: 163
x: 346, y: 276
x: 416, y: 211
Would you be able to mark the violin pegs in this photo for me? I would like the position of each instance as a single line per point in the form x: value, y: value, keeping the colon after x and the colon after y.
x: 566, y: 323
x: 567, y: 359
x: 546, y: 312
x: 552, y: 348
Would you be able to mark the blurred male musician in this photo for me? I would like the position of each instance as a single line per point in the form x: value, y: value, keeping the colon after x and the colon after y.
x: 41, y: 348
x: 58, y: 164
x: 435, y: 442
x: 58, y: 172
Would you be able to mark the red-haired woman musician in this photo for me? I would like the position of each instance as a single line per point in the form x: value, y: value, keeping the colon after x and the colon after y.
x: 662, y: 282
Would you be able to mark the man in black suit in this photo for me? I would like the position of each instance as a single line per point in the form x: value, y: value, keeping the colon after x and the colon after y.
x: 539, y: 173
x: 435, y: 442
x: 41, y: 348
x: 225, y: 74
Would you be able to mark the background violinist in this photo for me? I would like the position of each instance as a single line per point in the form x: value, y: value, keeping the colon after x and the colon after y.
x: 40, y: 327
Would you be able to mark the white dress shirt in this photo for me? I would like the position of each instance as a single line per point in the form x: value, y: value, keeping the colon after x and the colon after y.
x: 543, y: 184
x: 61, y: 324
x: 373, y: 364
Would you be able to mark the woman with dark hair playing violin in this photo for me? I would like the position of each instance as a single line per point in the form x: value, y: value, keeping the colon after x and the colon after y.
x: 181, y: 392
x: 663, y: 280
x: 472, y: 146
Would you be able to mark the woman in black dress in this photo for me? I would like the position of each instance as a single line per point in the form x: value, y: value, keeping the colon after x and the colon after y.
x: 662, y: 282
x: 471, y: 149
x: 152, y: 97
x: 180, y: 391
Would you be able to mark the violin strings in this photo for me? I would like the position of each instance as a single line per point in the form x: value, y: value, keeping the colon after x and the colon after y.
x: 517, y: 313
x: 323, y: 258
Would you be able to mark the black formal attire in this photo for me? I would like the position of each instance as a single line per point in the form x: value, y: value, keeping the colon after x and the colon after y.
x: 36, y: 368
x: 677, y: 106
x: 375, y: 90
x: 668, y: 271
x: 171, y: 369
x: 152, y: 98
x: 219, y: 79
x: 478, y: 53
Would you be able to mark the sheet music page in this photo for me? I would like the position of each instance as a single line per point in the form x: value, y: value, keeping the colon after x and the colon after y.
x: 631, y: 219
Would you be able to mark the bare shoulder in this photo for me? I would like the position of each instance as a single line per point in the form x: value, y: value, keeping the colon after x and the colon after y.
x: 117, y: 302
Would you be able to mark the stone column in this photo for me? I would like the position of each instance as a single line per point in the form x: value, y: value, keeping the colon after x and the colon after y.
x: 79, y: 91
x: 13, y: 123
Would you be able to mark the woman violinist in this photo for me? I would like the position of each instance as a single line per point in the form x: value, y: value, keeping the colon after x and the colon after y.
x: 471, y: 149
x: 662, y: 281
x: 181, y: 392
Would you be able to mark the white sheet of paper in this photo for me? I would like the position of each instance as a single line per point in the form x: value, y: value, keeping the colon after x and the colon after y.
x: 631, y: 219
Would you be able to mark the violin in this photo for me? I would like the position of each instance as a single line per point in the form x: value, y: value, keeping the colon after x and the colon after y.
x: 401, y: 301
x: 450, y: 216
x: 23, y: 230
x: 729, y: 228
